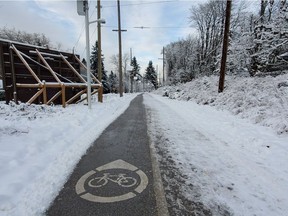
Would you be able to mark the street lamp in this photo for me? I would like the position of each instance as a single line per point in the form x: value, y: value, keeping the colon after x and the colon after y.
x: 102, y: 21
x: 83, y: 9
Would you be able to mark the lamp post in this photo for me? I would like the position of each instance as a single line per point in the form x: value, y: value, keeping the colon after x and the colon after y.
x: 88, y: 53
x: 99, y: 56
x: 83, y: 9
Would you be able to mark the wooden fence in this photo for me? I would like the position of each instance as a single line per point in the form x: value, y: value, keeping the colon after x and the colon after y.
x: 34, y: 74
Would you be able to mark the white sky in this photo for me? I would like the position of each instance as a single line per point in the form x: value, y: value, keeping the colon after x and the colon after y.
x: 59, y: 21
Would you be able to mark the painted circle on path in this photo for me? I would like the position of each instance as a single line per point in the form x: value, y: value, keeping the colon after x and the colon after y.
x: 121, y: 179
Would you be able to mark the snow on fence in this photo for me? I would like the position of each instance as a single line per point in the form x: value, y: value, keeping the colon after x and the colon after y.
x: 34, y: 74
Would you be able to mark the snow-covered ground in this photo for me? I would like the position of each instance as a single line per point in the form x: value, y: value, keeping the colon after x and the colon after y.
x: 262, y: 100
x: 40, y: 145
x: 225, y: 160
x: 230, y: 165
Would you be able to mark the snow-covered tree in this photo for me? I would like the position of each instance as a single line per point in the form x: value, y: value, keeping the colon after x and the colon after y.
x: 200, y: 56
x: 113, y: 82
x: 181, y: 60
x: 134, y: 73
x: 269, y: 53
x: 24, y: 37
x: 151, y: 75
x: 115, y: 61
x: 209, y: 18
x: 135, y: 67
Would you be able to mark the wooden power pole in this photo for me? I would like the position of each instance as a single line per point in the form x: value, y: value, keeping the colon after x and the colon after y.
x: 120, y: 51
x: 119, y: 30
x: 225, y: 46
x: 163, y: 58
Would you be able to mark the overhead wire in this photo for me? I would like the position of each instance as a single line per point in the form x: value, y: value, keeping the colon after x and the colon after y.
x: 125, y: 5
x: 149, y: 27
x: 142, y: 3
x: 83, y: 26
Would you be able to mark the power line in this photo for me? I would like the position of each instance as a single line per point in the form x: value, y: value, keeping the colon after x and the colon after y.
x: 82, y: 29
x: 150, y: 27
x: 143, y: 3
x: 166, y: 27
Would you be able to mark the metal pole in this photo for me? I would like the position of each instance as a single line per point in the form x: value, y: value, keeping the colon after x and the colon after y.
x: 88, y: 54
x: 99, y: 63
x: 225, y: 46
x: 120, y: 51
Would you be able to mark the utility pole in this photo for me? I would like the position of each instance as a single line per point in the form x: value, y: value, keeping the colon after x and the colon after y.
x: 163, y: 65
x: 120, y: 50
x: 225, y: 46
x: 99, y: 56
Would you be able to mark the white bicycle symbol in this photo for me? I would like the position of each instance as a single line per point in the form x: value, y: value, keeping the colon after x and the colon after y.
x: 121, y: 179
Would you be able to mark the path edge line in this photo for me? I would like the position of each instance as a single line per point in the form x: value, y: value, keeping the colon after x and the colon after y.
x: 161, y: 203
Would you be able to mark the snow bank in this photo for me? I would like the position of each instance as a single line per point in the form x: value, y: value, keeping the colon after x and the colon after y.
x: 40, y: 145
x: 210, y: 156
x: 263, y: 100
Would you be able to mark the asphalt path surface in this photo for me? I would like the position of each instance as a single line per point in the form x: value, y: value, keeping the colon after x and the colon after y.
x: 115, y: 177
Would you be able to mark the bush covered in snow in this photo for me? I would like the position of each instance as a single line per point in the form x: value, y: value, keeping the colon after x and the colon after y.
x: 263, y: 100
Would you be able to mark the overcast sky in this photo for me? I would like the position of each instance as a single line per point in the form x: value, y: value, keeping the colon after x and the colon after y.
x: 59, y: 21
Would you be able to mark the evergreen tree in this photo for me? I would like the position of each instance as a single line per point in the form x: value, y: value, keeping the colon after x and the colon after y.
x: 113, y: 82
x: 84, y: 61
x: 151, y: 75
x: 134, y: 72
x: 105, y: 83
x: 94, y: 68
x: 94, y: 60
x: 136, y: 68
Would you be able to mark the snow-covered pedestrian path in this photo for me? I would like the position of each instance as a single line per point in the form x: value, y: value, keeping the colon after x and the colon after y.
x: 40, y: 145
x: 228, y: 164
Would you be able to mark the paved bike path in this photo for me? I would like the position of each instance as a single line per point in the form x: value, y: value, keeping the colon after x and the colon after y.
x: 115, y: 176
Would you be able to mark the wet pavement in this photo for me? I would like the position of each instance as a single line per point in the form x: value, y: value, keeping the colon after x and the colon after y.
x: 115, y: 177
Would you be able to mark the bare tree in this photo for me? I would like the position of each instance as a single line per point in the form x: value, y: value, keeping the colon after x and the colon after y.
x: 209, y: 19
x: 24, y: 37
x: 270, y: 9
x: 264, y: 4
x: 114, y: 59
